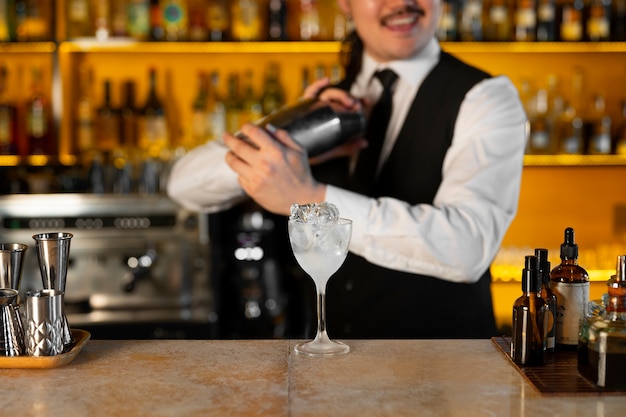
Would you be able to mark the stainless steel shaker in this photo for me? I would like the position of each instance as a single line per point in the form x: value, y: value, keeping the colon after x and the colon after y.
x: 317, y: 125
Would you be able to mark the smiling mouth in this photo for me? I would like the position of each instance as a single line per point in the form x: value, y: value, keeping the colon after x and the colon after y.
x: 406, y: 16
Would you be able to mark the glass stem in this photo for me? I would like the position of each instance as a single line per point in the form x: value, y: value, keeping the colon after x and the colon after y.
x: 321, y: 316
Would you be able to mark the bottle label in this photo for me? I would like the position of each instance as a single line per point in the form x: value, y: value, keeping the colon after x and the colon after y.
x: 571, y: 301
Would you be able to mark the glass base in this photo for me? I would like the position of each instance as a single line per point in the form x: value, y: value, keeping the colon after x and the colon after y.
x: 322, y: 348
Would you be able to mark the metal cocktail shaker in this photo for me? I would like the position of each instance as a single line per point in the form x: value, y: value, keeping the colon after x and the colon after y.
x: 317, y: 125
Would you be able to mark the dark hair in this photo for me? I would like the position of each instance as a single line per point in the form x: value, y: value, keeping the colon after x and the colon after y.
x: 351, y: 55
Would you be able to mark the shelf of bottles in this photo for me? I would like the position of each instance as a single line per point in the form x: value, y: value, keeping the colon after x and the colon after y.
x: 195, y: 49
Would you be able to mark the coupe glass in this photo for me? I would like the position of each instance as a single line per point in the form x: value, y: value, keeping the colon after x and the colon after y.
x: 320, y: 250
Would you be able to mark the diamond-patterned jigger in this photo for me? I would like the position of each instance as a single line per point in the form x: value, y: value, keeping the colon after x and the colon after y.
x: 44, y: 323
x: 12, y: 333
x: 11, y: 261
x: 53, y: 252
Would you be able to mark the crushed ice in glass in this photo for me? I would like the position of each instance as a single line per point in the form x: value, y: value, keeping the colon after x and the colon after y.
x: 315, y: 213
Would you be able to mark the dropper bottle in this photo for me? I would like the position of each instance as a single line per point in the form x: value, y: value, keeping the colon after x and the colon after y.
x: 529, y: 314
x: 570, y: 282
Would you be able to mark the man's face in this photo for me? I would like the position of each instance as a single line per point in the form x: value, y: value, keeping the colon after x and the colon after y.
x: 393, y: 29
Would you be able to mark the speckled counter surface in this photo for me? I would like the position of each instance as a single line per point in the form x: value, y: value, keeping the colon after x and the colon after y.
x: 265, y: 378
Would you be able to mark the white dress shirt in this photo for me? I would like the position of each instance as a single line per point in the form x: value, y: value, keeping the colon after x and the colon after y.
x: 455, y: 238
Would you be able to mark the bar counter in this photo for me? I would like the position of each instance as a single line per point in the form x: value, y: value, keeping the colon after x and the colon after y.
x: 266, y: 378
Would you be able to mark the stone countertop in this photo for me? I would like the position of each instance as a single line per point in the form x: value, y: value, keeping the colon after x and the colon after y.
x: 266, y: 378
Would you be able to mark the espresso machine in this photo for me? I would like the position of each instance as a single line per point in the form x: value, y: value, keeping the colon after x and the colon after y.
x: 138, y: 266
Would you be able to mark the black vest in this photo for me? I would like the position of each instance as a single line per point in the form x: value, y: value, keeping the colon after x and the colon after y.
x: 369, y: 301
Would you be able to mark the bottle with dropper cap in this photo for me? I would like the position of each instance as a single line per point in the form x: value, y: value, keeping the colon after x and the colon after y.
x: 529, y: 318
x: 570, y: 282
x: 549, y: 296
x: 602, y: 343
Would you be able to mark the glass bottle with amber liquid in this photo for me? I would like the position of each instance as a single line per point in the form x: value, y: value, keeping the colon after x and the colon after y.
x: 528, y: 346
x: 85, y: 119
x: 570, y: 282
x: 8, y: 117
x: 153, y: 138
x: 174, y: 20
x: 218, y: 20
x: 549, y: 297
x: 572, y: 21
x: 39, y: 118
x: 498, y: 20
x: 600, y: 128
x: 602, y: 342
x: 598, y: 23
x: 107, y: 122
x: 546, y: 21
x: 525, y: 21
x: 248, y: 20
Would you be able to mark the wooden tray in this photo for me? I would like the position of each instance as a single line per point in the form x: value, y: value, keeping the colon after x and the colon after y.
x: 41, y: 362
x: 559, y: 376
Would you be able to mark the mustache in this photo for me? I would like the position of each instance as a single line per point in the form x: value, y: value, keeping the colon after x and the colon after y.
x: 407, y: 9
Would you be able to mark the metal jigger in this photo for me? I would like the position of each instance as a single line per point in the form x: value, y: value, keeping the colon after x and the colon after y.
x: 53, y: 252
x: 11, y: 261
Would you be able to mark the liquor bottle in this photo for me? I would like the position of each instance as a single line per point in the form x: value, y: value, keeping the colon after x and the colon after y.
x: 200, y: 117
x: 107, y: 122
x: 546, y: 21
x: 471, y: 21
x: 570, y: 132
x: 157, y: 32
x: 598, y: 23
x: 309, y: 20
x: 128, y: 111
x: 138, y: 19
x: 525, y: 21
x: 249, y: 20
x: 153, y: 135
x: 218, y: 20
x: 232, y: 104
x: 618, y: 20
x: 447, y: 28
x: 570, y: 282
x: 498, y: 20
x: 252, y: 109
x: 572, y: 23
x: 102, y: 19
x: 198, y: 31
x: 118, y: 17
x: 277, y: 20
x: 528, y: 346
x: 33, y: 20
x: 216, y: 109
x: 620, y: 136
x: 273, y: 96
x: 600, y: 128
x: 84, y: 120
x: 174, y: 20
x: 601, y: 348
x: 540, y: 141
x: 39, y: 117
x: 124, y: 157
x: 6, y: 10
x: 8, y: 117
x: 79, y: 22
x: 549, y: 297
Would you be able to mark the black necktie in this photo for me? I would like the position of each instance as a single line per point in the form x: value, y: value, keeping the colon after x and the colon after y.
x: 377, y: 128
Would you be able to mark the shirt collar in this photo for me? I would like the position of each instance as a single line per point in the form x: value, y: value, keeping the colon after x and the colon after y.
x: 412, y: 70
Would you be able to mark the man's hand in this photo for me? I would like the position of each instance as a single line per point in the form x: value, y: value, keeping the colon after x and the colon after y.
x: 273, y: 169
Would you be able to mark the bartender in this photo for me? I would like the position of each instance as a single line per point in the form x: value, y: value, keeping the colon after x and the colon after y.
x: 431, y: 189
